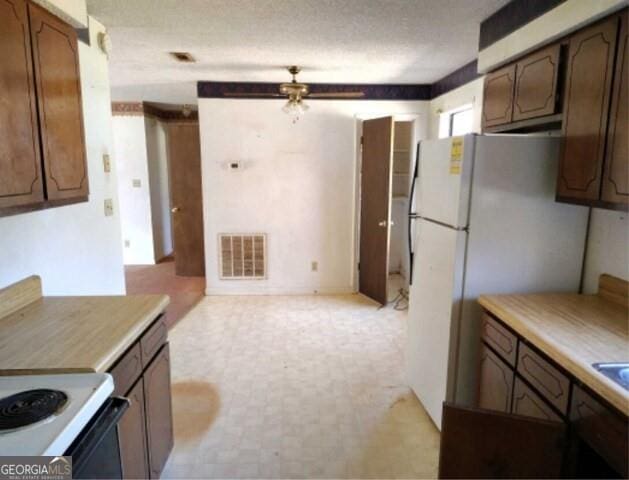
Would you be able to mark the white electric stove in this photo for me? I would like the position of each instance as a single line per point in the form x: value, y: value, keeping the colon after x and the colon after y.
x: 44, y: 414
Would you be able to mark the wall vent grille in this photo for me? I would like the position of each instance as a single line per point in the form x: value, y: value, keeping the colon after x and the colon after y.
x: 242, y: 256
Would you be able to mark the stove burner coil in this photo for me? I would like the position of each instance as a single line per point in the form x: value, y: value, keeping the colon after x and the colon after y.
x: 30, y: 406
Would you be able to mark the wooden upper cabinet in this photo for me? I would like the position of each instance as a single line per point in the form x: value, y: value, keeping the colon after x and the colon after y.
x: 589, y: 76
x: 498, y: 96
x: 616, y: 173
x: 58, y: 85
x: 20, y: 164
x: 536, y: 84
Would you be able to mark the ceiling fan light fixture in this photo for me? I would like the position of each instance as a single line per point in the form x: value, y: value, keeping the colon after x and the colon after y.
x: 295, y: 107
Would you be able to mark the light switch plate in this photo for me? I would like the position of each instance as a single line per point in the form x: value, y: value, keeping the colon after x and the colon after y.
x: 136, y: 183
x: 106, y: 163
x: 109, y: 207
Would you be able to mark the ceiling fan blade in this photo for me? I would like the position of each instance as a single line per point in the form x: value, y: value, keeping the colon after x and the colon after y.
x: 337, y: 95
x: 251, y: 94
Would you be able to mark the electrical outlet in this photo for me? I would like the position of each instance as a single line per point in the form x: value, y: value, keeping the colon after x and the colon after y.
x: 106, y: 163
x: 109, y: 207
x: 314, y: 266
x: 127, y: 243
x: 136, y: 183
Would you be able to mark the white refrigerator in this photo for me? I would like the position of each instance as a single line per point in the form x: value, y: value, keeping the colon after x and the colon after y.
x: 485, y: 220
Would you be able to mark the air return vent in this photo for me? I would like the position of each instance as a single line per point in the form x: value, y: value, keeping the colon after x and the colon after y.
x: 242, y: 256
x: 184, y: 57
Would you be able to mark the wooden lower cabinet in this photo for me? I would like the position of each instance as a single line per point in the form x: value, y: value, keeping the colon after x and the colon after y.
x: 132, y: 435
x: 485, y: 444
x: 533, y: 420
x: 495, y: 382
x: 529, y: 404
x: 157, y: 400
x: 145, y: 432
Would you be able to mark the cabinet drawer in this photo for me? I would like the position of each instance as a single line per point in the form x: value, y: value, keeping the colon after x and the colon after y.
x: 602, y: 428
x: 500, y: 338
x: 547, y: 379
x: 153, y: 339
x: 127, y: 370
x: 495, y: 382
x: 528, y: 403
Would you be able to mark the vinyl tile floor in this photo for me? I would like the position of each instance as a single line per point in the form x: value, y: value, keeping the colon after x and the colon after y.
x: 295, y: 387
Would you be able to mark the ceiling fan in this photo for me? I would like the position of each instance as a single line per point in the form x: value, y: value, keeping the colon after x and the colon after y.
x: 295, y: 92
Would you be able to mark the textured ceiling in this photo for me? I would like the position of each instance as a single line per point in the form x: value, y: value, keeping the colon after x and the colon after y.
x: 335, y: 41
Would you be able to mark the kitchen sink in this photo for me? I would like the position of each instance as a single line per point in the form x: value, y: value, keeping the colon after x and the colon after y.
x: 618, y: 372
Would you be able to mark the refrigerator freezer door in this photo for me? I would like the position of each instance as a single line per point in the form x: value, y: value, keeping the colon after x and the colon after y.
x: 443, y: 187
x: 433, y: 314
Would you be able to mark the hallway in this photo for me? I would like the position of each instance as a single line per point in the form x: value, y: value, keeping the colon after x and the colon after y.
x: 184, y: 292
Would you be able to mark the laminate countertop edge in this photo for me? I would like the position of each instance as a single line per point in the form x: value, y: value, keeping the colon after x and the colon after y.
x: 111, y: 331
x: 579, y: 368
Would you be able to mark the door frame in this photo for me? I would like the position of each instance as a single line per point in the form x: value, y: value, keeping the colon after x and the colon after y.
x: 420, y: 129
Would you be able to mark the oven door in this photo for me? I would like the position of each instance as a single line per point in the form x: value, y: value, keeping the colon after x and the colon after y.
x: 95, y: 452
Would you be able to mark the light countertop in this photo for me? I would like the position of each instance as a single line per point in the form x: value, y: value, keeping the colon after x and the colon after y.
x: 72, y: 334
x: 573, y: 330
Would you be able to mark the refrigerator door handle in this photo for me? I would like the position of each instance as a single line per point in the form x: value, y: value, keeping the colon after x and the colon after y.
x: 412, y: 216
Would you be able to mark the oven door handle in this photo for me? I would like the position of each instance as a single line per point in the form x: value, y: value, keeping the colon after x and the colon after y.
x: 96, y: 430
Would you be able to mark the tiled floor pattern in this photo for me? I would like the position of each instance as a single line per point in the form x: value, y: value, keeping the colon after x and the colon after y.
x: 295, y: 387
x: 184, y: 292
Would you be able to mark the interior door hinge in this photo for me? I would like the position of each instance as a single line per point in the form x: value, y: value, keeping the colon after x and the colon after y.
x: 358, y: 265
x: 362, y: 140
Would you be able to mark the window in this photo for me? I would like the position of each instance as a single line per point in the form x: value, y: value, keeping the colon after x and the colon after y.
x: 458, y: 121
x: 461, y: 122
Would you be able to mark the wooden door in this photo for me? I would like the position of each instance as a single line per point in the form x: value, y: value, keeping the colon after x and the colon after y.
x: 536, y: 84
x: 132, y: 436
x: 495, y: 382
x: 20, y: 164
x: 159, y: 417
x: 184, y: 164
x: 498, y: 96
x: 58, y: 83
x: 616, y: 174
x: 375, y: 207
x: 484, y: 444
x: 586, y: 105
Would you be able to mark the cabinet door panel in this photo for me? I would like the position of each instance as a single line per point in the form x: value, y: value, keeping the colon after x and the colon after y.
x: 547, y: 379
x: 496, y: 382
x: 586, y: 106
x: 55, y: 51
x: 498, y: 96
x: 20, y: 164
x: 536, y: 84
x: 616, y: 175
x: 132, y: 436
x: 159, y: 418
x: 485, y: 444
x: 603, y: 429
x: 529, y: 404
x: 500, y: 338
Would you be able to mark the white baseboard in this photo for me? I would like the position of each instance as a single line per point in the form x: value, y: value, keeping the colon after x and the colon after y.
x: 252, y: 290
